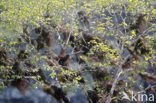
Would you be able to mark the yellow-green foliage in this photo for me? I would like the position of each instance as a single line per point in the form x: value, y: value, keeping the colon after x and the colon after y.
x: 17, y: 13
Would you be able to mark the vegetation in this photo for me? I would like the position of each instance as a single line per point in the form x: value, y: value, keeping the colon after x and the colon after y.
x: 113, y: 41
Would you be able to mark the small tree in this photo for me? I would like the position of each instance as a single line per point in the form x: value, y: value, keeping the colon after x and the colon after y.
x: 105, y: 36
